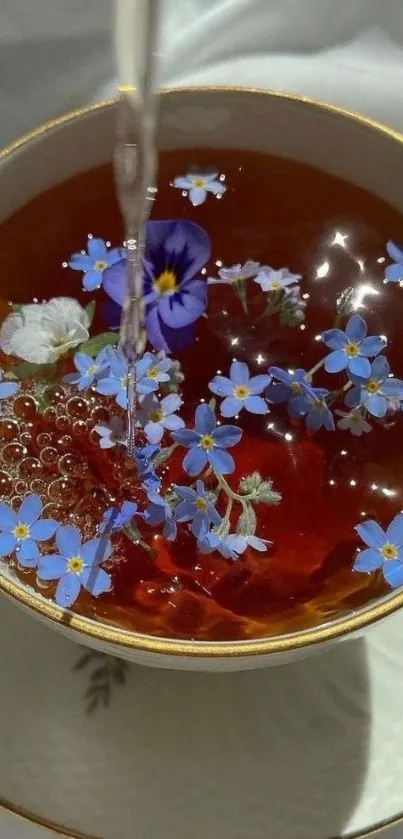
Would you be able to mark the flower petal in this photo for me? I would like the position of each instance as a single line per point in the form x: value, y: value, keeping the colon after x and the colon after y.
x: 380, y: 368
x: 195, y: 461
x: 68, y: 540
x: 97, y: 249
x: 154, y: 432
x: 44, y: 529
x: 95, y: 580
x: 372, y: 345
x: 28, y: 553
x: 30, y: 509
x: 227, y: 436
x: 257, y: 384
x: 371, y: 533
x: 394, y: 273
x: 182, y: 183
x: 184, y: 511
x: 216, y: 187
x: 68, y: 589
x: 92, y: 279
x: 278, y: 393
x: 186, y: 437
x: 376, y: 405
x: 7, y: 543
x: 197, y: 196
x: 239, y: 372
x: 8, y: 518
x: 80, y: 262
x: 172, y: 422
x: 221, y: 461
x: 109, y: 386
x: 205, y: 421
x: 221, y: 386
x: 368, y: 560
x: 182, y: 309
x: 171, y: 403
x: 394, y: 251
x: 231, y: 406
x: 336, y: 361
x: 356, y: 329
x: 114, y: 281
x: 334, y: 338
x: 256, y: 405
x: 52, y: 566
x: 353, y: 397
x: 96, y: 551
x: 8, y: 389
x: 359, y: 366
x: 393, y: 573
x: 394, y: 533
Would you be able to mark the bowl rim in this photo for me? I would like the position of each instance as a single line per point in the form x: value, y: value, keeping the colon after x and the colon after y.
x: 341, y: 627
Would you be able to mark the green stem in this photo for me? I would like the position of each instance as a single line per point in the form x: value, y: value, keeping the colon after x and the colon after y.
x: 240, y: 291
x: 133, y: 534
x: 315, y: 368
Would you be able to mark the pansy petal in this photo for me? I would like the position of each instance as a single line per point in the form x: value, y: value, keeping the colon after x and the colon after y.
x: 197, y: 196
x: 334, y: 338
x: 8, y: 518
x: 221, y: 461
x: 359, y: 366
x: 96, y: 551
x: 368, y: 560
x: 30, y: 509
x: 178, y: 310
x: 114, y: 281
x: 195, y: 461
x: 221, y: 386
x: 231, y: 406
x: 186, y: 437
x: 7, y: 543
x: 394, y: 533
x: 371, y: 533
x: 95, y: 580
x: 394, y: 251
x: 68, y: 589
x: 356, y: 329
x: 256, y: 405
x: 44, y: 529
x: 92, y: 279
x: 336, y: 361
x: 394, y: 273
x: 68, y: 540
x: 257, y: 384
x: 52, y: 566
x: 372, y: 345
x: 28, y: 553
x: 239, y: 372
x: 393, y: 573
x: 227, y: 436
x: 205, y: 420
x: 97, y: 249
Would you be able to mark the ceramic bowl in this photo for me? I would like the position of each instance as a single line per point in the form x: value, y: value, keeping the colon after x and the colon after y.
x: 345, y: 145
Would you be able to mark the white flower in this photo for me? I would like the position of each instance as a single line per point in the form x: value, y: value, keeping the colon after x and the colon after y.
x: 353, y: 422
x: 272, y: 280
x: 42, y: 332
x: 112, y: 433
x: 198, y: 184
x: 236, y: 273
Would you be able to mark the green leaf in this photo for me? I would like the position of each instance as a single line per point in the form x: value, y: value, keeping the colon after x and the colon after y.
x: 98, y: 342
x: 90, y: 309
x: 16, y: 308
x: 27, y: 370
x: 247, y: 522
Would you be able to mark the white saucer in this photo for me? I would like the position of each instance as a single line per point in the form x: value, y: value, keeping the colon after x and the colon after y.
x: 312, y: 750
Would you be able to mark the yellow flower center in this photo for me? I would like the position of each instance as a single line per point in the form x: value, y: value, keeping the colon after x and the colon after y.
x: 21, y: 531
x: 201, y: 504
x: 241, y: 392
x: 165, y: 283
x: 275, y: 285
x: 295, y: 387
x: 206, y: 442
x: 373, y: 386
x: 124, y: 381
x: 100, y: 265
x: 75, y: 564
x: 318, y: 404
x: 354, y: 419
x: 152, y: 373
x: 199, y: 183
x: 389, y: 551
x: 92, y: 370
x: 352, y: 349
x: 157, y: 415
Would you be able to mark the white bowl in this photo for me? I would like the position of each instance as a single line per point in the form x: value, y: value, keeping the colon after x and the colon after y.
x: 342, y: 144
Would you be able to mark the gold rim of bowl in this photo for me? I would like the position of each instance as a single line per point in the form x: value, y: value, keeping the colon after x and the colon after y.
x: 341, y: 627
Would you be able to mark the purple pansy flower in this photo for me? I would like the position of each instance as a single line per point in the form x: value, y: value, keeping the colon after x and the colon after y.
x: 240, y: 391
x: 76, y: 565
x: 291, y: 385
x: 21, y: 531
x: 351, y: 349
x: 174, y: 297
x: 95, y: 262
x: 394, y: 273
x: 374, y: 392
x: 207, y: 443
x: 157, y: 415
x: 158, y: 512
x: 385, y: 550
x: 196, y: 507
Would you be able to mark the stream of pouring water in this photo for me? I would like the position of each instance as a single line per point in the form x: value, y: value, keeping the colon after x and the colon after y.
x: 135, y: 169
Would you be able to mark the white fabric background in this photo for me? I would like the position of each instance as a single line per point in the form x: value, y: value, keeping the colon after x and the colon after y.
x: 56, y: 55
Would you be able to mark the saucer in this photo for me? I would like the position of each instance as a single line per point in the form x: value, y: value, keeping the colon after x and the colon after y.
x: 312, y: 750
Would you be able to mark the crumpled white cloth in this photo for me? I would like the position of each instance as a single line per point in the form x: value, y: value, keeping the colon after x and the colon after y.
x: 56, y: 55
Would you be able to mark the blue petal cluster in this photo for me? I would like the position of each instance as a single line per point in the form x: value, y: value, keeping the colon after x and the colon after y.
x: 384, y: 551
x: 207, y: 443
